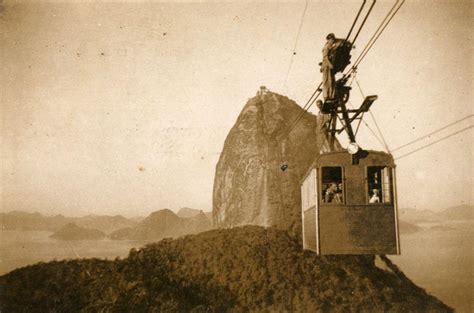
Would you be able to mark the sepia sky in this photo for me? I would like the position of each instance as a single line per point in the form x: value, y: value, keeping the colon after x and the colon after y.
x: 123, y: 108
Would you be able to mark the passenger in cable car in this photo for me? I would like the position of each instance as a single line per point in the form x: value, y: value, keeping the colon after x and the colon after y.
x: 375, y: 196
x: 339, y: 193
x: 332, y: 193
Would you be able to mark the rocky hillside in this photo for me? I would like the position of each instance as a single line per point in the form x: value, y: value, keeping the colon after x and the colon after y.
x: 187, y: 212
x: 73, y: 232
x: 164, y: 224
x: 245, y: 269
x: 249, y: 186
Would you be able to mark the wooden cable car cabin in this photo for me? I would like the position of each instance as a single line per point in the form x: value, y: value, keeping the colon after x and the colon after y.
x: 350, y: 208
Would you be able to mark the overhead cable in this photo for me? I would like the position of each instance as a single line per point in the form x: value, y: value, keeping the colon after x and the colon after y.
x: 373, y: 118
x: 434, y: 142
x: 313, y: 99
x: 296, y: 43
x: 433, y: 132
x: 363, y: 22
x: 306, y: 107
x: 369, y: 128
x: 369, y: 45
x: 388, y: 18
x: 355, y: 21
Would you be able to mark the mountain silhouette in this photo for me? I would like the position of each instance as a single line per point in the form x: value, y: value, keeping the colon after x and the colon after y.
x: 456, y: 213
x: 18, y: 220
x: 163, y: 224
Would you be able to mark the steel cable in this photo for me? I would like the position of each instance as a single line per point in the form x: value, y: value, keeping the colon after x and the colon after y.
x: 296, y: 43
x: 390, y: 15
x: 373, y: 118
x: 433, y: 132
x: 432, y: 143
x: 363, y: 22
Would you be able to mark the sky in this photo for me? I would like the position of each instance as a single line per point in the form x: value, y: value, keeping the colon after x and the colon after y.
x: 123, y: 108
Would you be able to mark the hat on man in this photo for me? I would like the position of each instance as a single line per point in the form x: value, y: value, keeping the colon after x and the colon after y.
x: 330, y: 36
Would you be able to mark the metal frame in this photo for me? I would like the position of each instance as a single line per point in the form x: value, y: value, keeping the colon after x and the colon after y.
x: 302, y: 215
x: 316, y: 210
x: 395, y: 209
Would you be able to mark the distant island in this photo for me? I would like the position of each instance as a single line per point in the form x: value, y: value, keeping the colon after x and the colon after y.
x: 73, y: 232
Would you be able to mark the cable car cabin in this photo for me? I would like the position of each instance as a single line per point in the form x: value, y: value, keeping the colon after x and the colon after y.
x: 350, y: 209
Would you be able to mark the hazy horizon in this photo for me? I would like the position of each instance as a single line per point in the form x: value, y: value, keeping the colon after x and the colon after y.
x: 123, y: 108
x: 205, y: 210
x: 129, y: 215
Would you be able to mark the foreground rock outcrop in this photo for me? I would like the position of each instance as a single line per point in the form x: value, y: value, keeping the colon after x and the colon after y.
x: 245, y: 269
x: 249, y: 186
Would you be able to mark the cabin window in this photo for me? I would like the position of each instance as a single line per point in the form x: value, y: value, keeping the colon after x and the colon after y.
x: 331, y: 183
x: 379, y: 184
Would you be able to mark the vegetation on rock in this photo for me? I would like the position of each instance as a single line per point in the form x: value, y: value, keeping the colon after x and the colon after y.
x: 246, y: 269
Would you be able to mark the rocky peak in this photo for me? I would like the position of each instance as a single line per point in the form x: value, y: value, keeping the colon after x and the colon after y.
x: 249, y: 185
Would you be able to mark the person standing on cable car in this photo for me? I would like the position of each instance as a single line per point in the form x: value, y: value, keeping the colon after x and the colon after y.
x: 327, y: 68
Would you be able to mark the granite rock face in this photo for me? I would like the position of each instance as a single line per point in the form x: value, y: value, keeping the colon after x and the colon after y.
x: 250, y: 188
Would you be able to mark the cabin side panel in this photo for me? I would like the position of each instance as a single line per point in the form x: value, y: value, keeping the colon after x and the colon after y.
x: 310, y: 229
x: 309, y: 208
x: 355, y: 185
x: 357, y: 230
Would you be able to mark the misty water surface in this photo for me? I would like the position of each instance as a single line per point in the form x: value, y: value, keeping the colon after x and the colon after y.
x: 439, y: 259
x: 21, y: 248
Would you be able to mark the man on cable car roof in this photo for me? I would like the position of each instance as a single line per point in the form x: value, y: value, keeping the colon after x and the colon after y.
x: 322, y: 118
x: 327, y: 68
x: 336, y: 56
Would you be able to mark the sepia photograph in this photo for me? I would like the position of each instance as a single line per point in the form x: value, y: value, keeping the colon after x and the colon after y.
x: 237, y: 156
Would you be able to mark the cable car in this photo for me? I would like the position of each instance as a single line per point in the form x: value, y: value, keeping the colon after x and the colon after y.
x: 350, y: 208
x: 348, y: 197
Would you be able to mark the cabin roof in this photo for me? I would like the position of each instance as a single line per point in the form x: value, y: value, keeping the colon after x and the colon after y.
x: 343, y: 158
